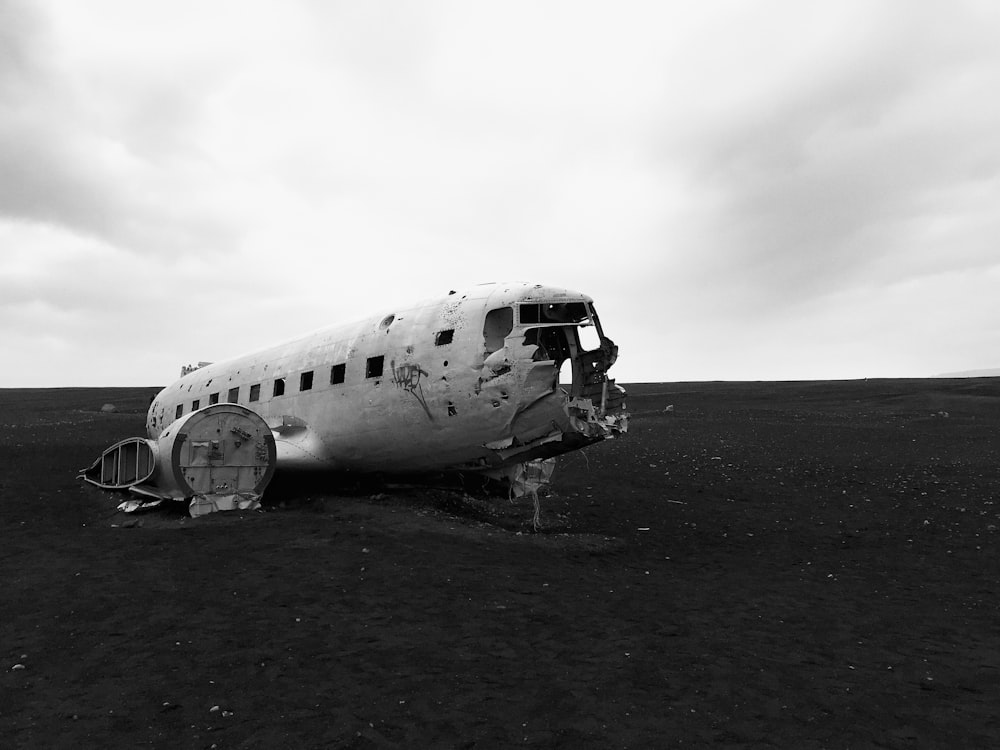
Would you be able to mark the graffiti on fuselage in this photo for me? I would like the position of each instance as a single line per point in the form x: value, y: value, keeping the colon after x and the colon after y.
x: 407, y: 377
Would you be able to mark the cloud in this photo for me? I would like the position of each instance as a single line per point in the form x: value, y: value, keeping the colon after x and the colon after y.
x: 73, y: 158
x: 732, y: 183
x: 42, y: 180
x: 863, y: 139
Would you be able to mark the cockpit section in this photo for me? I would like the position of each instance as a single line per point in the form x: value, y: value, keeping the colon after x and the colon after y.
x: 556, y: 355
x: 571, y: 332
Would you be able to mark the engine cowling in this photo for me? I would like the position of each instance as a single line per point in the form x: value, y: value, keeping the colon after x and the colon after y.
x: 221, y: 457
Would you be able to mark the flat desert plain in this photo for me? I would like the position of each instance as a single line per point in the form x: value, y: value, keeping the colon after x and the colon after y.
x: 755, y: 565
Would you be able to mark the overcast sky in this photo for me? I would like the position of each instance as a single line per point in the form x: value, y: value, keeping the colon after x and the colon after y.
x: 749, y: 190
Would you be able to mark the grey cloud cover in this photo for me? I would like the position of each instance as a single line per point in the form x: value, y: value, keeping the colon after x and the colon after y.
x: 782, y: 190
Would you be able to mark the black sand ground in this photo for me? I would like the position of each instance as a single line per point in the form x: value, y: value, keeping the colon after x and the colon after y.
x: 789, y: 565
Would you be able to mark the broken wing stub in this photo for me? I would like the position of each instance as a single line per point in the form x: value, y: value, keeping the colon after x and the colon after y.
x: 221, y: 457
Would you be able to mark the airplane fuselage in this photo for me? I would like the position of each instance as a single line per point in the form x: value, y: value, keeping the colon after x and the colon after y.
x: 469, y: 381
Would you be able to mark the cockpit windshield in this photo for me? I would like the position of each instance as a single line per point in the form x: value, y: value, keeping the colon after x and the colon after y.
x: 555, y: 312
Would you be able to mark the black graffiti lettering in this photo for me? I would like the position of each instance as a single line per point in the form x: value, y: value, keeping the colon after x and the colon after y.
x: 408, y: 378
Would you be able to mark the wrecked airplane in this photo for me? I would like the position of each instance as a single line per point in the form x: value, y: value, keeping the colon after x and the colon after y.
x: 496, y: 379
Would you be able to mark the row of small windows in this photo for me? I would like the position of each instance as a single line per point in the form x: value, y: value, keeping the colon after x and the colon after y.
x: 374, y: 367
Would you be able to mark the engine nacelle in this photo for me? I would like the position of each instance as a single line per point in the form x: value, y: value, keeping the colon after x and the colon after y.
x: 221, y: 457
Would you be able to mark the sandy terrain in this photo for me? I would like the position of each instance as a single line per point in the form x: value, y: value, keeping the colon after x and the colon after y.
x: 803, y: 565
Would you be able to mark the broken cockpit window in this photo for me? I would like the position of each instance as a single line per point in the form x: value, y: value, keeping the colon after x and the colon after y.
x: 551, y: 343
x: 497, y: 327
x: 554, y: 312
x: 589, y: 338
x: 444, y: 337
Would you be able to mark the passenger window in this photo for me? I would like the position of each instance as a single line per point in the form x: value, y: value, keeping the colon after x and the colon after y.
x: 374, y: 366
x: 180, y: 411
x: 195, y: 404
x: 337, y: 374
x: 279, y: 387
x: 255, y: 392
x: 306, y: 381
x: 213, y: 399
x: 234, y: 395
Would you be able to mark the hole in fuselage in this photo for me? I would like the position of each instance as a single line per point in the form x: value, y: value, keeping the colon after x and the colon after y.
x: 565, y: 378
x: 497, y: 327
